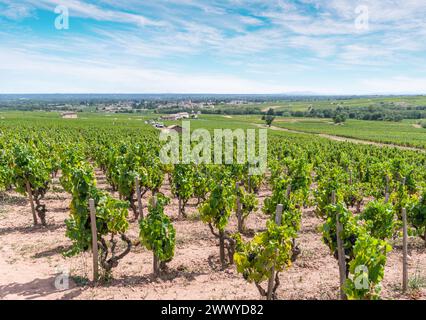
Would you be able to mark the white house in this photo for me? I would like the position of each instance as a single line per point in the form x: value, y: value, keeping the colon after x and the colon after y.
x: 69, y: 115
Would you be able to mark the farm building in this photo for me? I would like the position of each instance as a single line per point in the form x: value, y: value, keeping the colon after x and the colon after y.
x: 176, y: 128
x: 183, y: 115
x: 69, y: 115
x: 177, y: 116
x: 170, y: 117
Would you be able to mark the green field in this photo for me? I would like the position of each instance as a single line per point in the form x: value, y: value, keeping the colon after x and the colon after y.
x: 84, y: 119
x: 405, y: 133
x: 332, y: 103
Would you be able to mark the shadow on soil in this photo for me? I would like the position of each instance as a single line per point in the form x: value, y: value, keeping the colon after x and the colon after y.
x: 30, y: 229
x: 166, y: 275
x: 8, y: 199
x: 36, y: 289
x: 51, y: 252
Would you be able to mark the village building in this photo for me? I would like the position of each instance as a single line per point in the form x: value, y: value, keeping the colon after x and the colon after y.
x: 183, y: 115
x: 176, y: 128
x: 69, y: 115
x: 177, y: 116
x: 170, y: 117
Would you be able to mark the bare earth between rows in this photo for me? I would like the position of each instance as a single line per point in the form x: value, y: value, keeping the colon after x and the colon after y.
x: 31, y: 259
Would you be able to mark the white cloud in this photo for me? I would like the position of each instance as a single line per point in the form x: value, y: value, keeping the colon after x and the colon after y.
x: 251, y: 21
x: 159, y: 38
x: 62, y: 76
x: 399, y: 84
x: 15, y: 11
x: 91, y: 11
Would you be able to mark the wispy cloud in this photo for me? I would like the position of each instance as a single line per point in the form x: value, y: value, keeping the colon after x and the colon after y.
x: 15, y: 11
x: 91, y: 11
x: 257, y: 45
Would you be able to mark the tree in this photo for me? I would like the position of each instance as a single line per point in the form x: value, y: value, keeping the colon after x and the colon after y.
x: 31, y: 176
x: 5, y: 170
x: 269, y: 251
x: 367, y: 269
x: 417, y: 216
x: 271, y: 112
x: 202, y: 183
x: 183, y: 185
x: 157, y: 232
x: 379, y: 219
x: 269, y: 120
x: 269, y: 117
x: 248, y: 204
x: 111, y: 219
x: 216, y: 212
x: 339, y: 118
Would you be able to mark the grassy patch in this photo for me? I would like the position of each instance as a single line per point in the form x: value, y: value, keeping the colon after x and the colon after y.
x: 401, y: 133
x: 417, y: 281
x: 80, y: 281
x: 3, y: 212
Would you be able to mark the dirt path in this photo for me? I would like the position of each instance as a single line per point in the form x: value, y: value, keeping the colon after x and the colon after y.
x: 31, y: 260
x: 358, y: 141
x: 344, y: 139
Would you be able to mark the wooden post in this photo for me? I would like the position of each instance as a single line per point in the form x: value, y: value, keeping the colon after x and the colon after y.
x: 139, y: 196
x: 333, y: 197
x: 342, y: 258
x: 421, y: 201
x: 387, y: 197
x: 425, y: 237
x: 271, y: 281
x: 387, y: 184
x: 278, y: 216
x: 30, y: 196
x: 239, y: 214
x: 94, y: 239
x: 248, y: 178
x: 340, y: 251
x: 288, y: 191
x: 156, y: 262
x: 405, y: 252
x: 154, y: 201
x: 222, y: 248
x: 180, y: 207
x: 156, y: 265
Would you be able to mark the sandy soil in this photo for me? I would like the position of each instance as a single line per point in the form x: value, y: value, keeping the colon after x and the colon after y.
x: 31, y: 260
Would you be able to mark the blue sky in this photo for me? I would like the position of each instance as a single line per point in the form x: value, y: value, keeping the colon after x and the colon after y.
x: 216, y: 46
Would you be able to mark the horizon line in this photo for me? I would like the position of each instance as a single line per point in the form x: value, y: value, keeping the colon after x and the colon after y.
x: 312, y: 94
